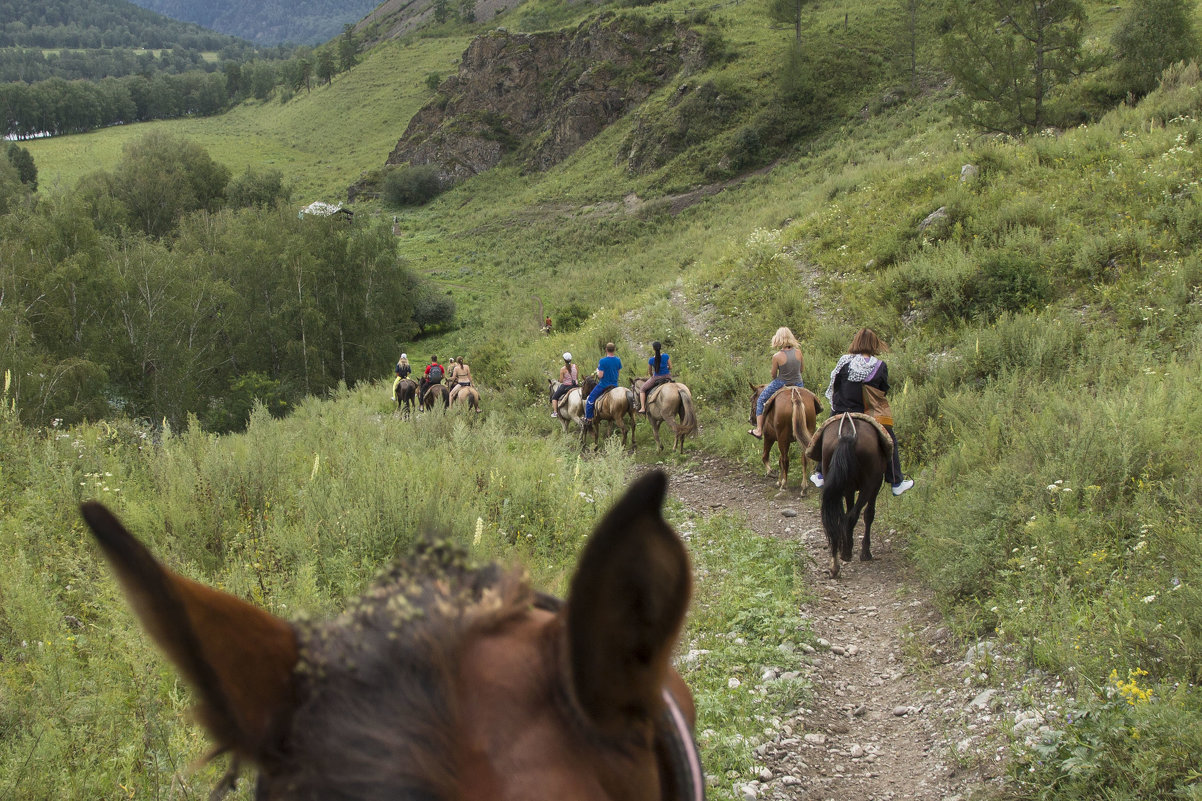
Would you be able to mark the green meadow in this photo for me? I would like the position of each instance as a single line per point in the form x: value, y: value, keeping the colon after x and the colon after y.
x: 320, y: 140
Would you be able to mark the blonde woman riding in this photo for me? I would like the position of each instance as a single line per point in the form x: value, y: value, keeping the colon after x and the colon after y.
x: 786, y: 372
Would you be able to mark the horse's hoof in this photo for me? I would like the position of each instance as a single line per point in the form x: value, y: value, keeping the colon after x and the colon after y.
x: 865, y: 557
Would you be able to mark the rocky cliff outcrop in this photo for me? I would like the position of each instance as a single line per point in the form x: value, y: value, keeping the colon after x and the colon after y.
x: 543, y: 95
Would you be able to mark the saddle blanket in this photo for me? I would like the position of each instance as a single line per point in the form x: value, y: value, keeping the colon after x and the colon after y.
x: 772, y: 397
x: 815, y: 449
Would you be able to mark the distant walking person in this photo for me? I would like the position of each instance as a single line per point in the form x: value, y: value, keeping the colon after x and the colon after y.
x: 858, y: 375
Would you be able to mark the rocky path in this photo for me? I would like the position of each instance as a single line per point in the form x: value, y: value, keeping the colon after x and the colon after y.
x: 896, y: 712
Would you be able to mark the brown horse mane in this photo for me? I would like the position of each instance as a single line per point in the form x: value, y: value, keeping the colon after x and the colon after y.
x: 377, y: 709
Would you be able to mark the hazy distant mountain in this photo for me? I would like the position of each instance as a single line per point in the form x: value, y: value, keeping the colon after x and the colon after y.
x: 267, y: 22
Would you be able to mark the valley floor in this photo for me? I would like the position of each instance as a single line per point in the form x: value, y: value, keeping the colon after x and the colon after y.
x: 896, y: 712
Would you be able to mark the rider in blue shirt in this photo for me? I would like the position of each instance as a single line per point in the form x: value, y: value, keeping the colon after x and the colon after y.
x: 659, y: 367
x: 607, y: 371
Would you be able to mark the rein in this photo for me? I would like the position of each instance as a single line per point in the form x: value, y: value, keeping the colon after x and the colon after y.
x: 673, y: 739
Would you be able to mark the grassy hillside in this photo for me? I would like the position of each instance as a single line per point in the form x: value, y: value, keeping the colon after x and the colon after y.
x: 321, y: 140
x: 1045, y: 348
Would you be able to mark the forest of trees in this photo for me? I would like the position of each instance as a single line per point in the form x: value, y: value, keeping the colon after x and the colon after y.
x: 58, y: 106
x: 69, y: 67
x: 100, y: 24
x: 168, y: 287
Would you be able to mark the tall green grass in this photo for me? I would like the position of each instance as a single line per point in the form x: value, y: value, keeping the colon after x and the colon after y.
x: 296, y: 516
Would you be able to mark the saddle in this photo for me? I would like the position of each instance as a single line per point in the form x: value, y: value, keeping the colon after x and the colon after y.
x: 815, y: 449
x: 772, y: 397
x: 655, y: 389
x: 606, y: 402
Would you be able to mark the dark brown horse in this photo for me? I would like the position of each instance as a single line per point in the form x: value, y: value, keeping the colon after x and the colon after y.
x: 792, y: 417
x: 433, y: 394
x: 670, y: 403
x: 853, y: 466
x: 405, y: 392
x: 447, y: 681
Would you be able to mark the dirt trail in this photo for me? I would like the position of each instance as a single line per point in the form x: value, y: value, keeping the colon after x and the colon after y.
x: 893, y: 716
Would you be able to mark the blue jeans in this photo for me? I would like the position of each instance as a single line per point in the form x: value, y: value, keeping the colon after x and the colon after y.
x: 767, y: 393
x: 597, y: 392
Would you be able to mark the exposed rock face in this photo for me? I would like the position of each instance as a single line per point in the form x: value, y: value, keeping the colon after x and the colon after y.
x: 542, y: 95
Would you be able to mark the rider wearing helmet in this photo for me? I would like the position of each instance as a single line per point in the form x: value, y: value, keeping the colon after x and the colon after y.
x: 568, y: 378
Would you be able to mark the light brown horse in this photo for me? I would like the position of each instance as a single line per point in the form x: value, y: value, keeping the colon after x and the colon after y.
x: 792, y: 417
x: 669, y: 403
x: 467, y: 396
x: 446, y: 681
x: 616, y: 406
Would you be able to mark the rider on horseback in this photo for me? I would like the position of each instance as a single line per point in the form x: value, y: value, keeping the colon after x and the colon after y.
x: 402, y: 371
x: 859, y: 376
x: 568, y: 378
x: 607, y: 371
x: 659, y: 367
x: 432, y: 375
x: 461, y: 376
x: 786, y: 372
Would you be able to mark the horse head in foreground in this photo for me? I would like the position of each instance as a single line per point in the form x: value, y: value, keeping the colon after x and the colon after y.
x: 446, y: 681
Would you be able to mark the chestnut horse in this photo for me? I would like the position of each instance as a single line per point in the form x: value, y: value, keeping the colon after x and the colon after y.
x: 793, y: 416
x: 669, y: 403
x: 853, y: 467
x: 446, y: 681
x: 405, y: 392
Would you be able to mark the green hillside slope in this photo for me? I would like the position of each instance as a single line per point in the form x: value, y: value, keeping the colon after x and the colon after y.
x: 320, y: 140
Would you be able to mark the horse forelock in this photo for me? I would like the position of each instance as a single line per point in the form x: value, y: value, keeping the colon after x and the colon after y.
x: 378, y: 714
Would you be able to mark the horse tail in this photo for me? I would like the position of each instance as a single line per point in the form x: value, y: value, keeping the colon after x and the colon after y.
x: 839, y: 475
x: 688, y: 423
x: 801, y: 432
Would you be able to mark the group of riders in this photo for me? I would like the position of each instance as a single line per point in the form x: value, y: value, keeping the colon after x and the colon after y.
x: 458, y: 378
x: 659, y: 371
x: 859, y: 383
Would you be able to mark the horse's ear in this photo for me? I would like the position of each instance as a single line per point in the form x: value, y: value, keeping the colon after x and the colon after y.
x: 238, y: 657
x: 625, y: 609
x: 752, y: 385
